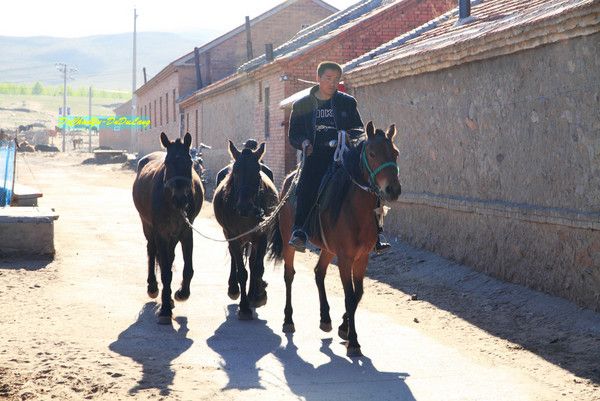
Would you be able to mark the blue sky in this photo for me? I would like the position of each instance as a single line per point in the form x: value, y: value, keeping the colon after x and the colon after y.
x: 69, y: 18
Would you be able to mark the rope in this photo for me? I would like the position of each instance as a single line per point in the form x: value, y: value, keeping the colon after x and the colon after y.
x: 341, y: 147
x: 265, y: 223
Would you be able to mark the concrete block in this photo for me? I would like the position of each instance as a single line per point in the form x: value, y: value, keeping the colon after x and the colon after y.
x: 27, y: 231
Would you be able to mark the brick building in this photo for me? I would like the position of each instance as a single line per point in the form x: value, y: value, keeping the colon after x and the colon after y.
x: 247, y: 104
x: 498, y: 132
x: 117, y: 137
x: 158, y: 98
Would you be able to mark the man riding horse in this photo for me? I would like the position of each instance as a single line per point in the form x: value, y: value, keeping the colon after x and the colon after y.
x: 315, y: 121
x: 251, y: 144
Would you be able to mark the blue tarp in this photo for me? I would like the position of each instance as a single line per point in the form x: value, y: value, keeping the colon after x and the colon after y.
x: 7, y: 171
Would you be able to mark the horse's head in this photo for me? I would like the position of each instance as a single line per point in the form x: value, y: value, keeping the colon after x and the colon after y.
x: 178, y: 169
x: 378, y: 162
x: 245, y: 176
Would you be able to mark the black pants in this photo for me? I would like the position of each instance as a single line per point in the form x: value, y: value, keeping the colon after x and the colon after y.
x: 312, y: 173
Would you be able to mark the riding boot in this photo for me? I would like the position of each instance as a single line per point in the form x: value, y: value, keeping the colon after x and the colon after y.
x: 299, y: 236
x: 381, y: 246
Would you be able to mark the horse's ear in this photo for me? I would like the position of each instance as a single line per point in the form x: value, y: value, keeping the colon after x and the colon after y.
x: 164, y: 140
x: 370, y: 130
x: 233, y: 151
x: 391, y: 132
x: 260, y: 151
x: 187, y: 140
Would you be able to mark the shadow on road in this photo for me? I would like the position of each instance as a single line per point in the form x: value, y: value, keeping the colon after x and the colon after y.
x: 553, y: 328
x: 154, y: 347
x: 340, y: 378
x: 242, y: 344
x: 27, y: 263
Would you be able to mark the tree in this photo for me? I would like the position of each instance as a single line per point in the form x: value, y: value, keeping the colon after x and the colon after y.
x: 37, y: 89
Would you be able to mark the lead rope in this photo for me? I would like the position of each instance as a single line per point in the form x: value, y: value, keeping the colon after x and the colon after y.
x: 265, y: 223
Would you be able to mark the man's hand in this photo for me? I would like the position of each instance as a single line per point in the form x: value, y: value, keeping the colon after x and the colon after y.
x: 307, y: 147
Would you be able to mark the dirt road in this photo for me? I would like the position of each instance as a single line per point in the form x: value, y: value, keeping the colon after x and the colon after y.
x: 82, y: 327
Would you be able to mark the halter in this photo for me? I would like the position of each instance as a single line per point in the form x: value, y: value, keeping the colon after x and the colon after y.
x: 373, y: 174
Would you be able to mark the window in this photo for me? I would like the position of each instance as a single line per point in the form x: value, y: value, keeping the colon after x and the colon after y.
x: 187, y: 122
x: 155, y: 115
x: 167, y: 106
x: 267, y: 112
x: 174, y: 107
x: 160, y: 101
x: 196, y: 126
x: 145, y: 114
x: 260, y: 91
x: 150, y: 113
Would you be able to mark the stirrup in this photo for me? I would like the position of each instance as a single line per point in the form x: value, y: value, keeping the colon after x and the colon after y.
x: 298, y: 241
x: 381, y: 246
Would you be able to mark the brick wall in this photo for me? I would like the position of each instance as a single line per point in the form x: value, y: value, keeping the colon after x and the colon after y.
x: 277, y: 29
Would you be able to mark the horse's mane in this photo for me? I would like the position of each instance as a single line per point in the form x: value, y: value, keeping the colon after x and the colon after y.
x: 267, y: 195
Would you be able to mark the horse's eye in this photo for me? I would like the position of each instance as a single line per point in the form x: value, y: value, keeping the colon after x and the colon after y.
x: 371, y: 154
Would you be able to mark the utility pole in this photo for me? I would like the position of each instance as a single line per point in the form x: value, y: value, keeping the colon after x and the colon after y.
x: 62, y: 67
x: 133, y: 144
x: 89, y: 127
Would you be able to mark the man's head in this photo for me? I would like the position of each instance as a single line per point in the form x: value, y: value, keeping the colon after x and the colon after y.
x: 328, y: 75
x: 251, y: 144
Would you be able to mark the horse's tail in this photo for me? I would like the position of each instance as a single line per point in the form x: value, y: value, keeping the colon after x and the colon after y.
x: 275, y: 242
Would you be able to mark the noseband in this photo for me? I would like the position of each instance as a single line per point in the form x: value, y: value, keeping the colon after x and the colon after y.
x: 177, y: 178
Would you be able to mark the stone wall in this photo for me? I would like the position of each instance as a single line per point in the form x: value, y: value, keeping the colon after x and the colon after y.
x: 500, y: 164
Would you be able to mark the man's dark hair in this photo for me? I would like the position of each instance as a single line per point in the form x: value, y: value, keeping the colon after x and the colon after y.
x: 251, y: 144
x: 328, y: 65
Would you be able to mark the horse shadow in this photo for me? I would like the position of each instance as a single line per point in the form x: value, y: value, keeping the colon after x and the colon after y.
x: 154, y: 347
x: 252, y: 340
x: 340, y: 378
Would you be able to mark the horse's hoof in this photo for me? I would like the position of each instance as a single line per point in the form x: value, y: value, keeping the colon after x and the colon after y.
x: 172, y: 303
x: 325, y: 326
x: 153, y: 294
x: 180, y: 297
x: 245, y: 315
x: 233, y: 295
x: 289, y: 328
x: 343, y: 334
x: 165, y: 320
x: 261, y: 301
x: 353, y: 352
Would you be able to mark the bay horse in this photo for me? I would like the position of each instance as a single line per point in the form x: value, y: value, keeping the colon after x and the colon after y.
x: 240, y: 203
x: 346, y: 226
x: 165, y: 187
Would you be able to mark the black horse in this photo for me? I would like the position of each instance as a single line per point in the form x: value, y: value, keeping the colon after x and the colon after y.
x: 241, y: 201
x: 166, y: 186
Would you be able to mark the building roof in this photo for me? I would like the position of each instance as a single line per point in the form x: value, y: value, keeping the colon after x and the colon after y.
x: 496, y: 27
x: 322, y: 31
x: 188, y: 58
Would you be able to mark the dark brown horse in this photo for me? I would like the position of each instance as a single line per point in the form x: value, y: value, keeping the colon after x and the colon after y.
x: 165, y: 187
x: 346, y: 226
x: 241, y: 201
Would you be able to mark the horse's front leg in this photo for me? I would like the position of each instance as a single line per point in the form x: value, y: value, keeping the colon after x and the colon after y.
x: 187, y: 246
x: 233, y: 289
x: 236, y: 252
x: 152, y: 288
x: 166, y: 254
x: 353, y: 290
x: 320, y: 272
x: 257, y: 293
